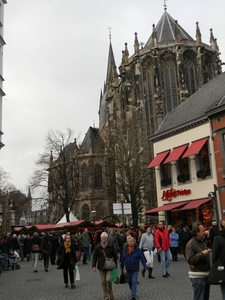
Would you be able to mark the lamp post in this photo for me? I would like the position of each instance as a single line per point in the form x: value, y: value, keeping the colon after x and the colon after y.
x: 93, y: 212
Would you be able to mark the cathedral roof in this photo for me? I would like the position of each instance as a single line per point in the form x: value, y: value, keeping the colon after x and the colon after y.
x: 195, y: 108
x: 165, y: 30
x: 92, y: 141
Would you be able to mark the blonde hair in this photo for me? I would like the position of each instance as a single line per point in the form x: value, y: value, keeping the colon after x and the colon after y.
x: 222, y: 224
x: 130, y: 238
x: 35, y: 233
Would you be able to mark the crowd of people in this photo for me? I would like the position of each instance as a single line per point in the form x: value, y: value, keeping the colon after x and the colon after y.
x: 127, y: 248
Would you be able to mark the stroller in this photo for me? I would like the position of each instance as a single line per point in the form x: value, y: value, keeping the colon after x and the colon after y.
x: 13, y: 261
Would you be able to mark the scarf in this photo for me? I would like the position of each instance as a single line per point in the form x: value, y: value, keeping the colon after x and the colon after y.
x: 67, y: 247
x: 104, y: 246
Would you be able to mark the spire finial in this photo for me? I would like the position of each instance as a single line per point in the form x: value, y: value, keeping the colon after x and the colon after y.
x: 165, y: 6
x: 109, y: 28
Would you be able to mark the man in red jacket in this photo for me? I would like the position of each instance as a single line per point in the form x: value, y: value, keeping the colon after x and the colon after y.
x: 162, y: 243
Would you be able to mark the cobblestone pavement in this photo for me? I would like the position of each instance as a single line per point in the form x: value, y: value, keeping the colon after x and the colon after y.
x: 24, y: 284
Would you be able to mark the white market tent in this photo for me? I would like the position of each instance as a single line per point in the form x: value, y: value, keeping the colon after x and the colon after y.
x: 72, y: 218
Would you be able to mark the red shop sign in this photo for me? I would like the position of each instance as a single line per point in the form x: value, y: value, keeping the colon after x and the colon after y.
x: 172, y: 193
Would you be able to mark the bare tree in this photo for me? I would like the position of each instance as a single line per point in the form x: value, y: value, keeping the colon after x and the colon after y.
x: 132, y: 175
x: 56, y: 177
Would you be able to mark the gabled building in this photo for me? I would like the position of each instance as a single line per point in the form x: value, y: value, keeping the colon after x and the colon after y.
x: 186, y: 147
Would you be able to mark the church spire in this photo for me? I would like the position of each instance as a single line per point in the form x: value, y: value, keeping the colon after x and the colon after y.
x: 136, y: 44
x: 213, y: 41
x: 154, y: 36
x: 198, y: 35
x: 126, y: 54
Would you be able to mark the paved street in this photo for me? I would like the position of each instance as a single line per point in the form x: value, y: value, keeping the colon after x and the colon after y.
x: 24, y: 284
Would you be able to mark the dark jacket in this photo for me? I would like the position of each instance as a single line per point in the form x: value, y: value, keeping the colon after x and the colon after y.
x: 218, y: 249
x: 99, y: 257
x: 27, y: 245
x: 72, y: 256
x: 36, y: 241
x: 213, y: 232
x: 131, y: 260
x: 198, y: 261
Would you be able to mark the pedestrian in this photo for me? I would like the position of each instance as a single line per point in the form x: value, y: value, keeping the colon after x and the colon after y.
x: 104, y: 249
x: 174, y: 243
x: 68, y: 259
x: 28, y: 247
x: 36, y: 249
x: 162, y: 243
x: 185, y: 236
x: 197, y: 256
x: 121, y: 241
x: 132, y: 255
x: 218, y: 251
x: 54, y: 245
x: 147, y: 244
x: 85, y: 241
x: 213, y: 232
x: 46, y: 248
x: 21, y: 237
x: 113, y: 239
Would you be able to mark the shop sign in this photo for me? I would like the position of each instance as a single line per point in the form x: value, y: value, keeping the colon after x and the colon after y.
x: 172, y: 193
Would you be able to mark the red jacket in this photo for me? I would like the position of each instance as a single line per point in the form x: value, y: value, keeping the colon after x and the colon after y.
x: 162, y: 239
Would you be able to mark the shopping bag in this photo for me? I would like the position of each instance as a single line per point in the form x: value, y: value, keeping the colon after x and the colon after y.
x: 115, y: 276
x: 122, y: 277
x: 149, y: 258
x: 77, y: 273
x: 217, y: 273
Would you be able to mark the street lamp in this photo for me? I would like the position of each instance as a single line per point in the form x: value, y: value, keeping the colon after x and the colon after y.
x: 93, y: 212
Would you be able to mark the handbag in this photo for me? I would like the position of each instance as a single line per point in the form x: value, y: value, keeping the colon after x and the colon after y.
x: 115, y: 276
x: 109, y: 263
x: 35, y: 247
x: 217, y: 271
x: 122, y: 277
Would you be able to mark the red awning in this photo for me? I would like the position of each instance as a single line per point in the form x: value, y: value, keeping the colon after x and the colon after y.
x: 166, y: 207
x: 176, y: 153
x: 195, y: 147
x: 195, y: 203
x: 157, y: 160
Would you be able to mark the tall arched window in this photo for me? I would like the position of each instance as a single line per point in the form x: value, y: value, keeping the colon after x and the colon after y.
x: 84, y: 176
x: 189, y: 71
x: 85, y: 212
x: 170, y: 85
x: 98, y: 176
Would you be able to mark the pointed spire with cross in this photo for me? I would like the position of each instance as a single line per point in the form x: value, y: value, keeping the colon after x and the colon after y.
x: 165, y: 6
x: 109, y: 28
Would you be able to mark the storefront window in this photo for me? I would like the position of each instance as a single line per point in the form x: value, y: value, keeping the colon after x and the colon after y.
x: 165, y: 170
x: 203, y: 163
x: 183, y: 173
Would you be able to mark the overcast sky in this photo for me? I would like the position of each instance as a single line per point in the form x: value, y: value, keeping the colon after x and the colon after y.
x: 55, y: 60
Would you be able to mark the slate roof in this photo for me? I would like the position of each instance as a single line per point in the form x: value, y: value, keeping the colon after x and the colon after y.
x: 92, y: 141
x: 195, y: 108
x: 165, y: 30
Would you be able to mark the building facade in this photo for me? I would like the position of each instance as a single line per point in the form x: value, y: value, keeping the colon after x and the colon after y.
x: 188, y: 169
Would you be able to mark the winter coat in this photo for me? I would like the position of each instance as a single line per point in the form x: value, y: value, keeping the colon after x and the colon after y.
x: 213, y: 232
x: 174, y: 240
x: 131, y: 260
x: 147, y: 241
x: 185, y: 236
x: 198, y: 261
x: 85, y: 240
x: 36, y: 241
x: 162, y: 239
x: 98, y: 258
x: 72, y: 256
x: 219, y: 247
x: 113, y: 240
x: 27, y: 246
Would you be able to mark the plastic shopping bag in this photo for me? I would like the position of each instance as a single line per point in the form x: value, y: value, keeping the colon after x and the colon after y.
x: 77, y: 273
x: 149, y: 258
x: 115, y: 276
